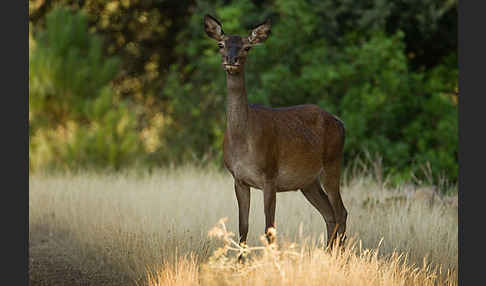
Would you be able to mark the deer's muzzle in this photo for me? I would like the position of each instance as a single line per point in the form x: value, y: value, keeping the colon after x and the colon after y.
x: 232, y: 68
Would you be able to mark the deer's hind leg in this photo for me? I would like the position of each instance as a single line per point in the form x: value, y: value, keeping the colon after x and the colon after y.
x: 332, y: 172
x: 332, y: 156
x: 316, y: 196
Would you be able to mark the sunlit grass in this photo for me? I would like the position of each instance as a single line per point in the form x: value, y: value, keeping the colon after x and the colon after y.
x: 298, y: 264
x: 154, y: 229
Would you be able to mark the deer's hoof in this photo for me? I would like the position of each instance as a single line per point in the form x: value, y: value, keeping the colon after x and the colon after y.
x: 242, y: 258
x: 271, y: 235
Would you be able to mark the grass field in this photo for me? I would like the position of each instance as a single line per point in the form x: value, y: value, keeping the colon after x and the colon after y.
x: 153, y: 229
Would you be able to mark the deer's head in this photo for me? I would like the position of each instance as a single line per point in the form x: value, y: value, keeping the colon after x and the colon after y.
x: 233, y: 48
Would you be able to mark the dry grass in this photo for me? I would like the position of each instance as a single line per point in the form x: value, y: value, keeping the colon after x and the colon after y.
x: 153, y: 229
x: 295, y: 264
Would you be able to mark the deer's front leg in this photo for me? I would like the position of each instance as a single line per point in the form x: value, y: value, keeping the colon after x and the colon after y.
x: 269, y: 200
x: 243, y: 198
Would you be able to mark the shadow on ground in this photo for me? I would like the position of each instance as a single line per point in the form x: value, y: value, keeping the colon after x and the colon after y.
x: 53, y: 260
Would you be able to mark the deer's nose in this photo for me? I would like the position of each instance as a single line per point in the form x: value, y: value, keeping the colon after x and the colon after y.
x: 232, y: 60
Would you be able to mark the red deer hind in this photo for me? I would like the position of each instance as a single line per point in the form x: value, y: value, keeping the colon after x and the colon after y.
x: 277, y: 149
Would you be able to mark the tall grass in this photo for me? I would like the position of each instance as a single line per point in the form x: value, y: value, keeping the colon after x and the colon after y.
x: 153, y: 228
x: 298, y: 264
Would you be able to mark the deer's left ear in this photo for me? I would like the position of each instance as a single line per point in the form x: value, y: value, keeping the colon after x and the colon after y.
x: 213, y: 28
x: 260, y: 33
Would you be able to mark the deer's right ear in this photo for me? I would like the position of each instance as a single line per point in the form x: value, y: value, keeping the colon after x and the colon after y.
x: 260, y: 33
x: 213, y: 28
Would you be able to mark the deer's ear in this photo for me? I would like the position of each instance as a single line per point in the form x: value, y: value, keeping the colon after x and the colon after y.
x: 260, y: 33
x: 213, y: 28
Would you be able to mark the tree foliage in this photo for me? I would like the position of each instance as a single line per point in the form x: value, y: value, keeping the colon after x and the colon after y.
x: 387, y: 69
x: 75, y: 117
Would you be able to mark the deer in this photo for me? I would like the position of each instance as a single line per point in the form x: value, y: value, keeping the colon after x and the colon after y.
x: 277, y: 149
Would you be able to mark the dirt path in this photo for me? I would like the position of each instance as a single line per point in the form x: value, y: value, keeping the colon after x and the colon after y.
x: 52, y: 261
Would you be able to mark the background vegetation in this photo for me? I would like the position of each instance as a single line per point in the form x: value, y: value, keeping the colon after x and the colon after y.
x: 138, y: 83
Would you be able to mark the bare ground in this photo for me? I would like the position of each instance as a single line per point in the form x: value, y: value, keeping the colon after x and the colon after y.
x: 52, y: 261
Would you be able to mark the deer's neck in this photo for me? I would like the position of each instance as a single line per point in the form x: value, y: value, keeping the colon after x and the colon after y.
x: 236, y: 106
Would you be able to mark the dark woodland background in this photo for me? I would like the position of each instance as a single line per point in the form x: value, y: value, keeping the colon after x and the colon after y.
x: 138, y: 84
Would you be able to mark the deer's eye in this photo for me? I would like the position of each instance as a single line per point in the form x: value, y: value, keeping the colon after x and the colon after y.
x: 247, y: 49
x: 220, y: 45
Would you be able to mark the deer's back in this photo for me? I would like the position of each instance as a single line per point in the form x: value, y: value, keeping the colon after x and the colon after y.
x: 302, y: 127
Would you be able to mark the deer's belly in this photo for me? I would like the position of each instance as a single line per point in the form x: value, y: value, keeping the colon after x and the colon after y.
x: 289, y: 179
x: 285, y: 179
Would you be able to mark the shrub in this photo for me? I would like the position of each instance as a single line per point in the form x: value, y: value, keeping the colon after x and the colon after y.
x: 76, y: 120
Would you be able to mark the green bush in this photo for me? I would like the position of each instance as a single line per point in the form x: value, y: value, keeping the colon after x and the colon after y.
x: 76, y: 120
x: 387, y: 69
x: 361, y: 75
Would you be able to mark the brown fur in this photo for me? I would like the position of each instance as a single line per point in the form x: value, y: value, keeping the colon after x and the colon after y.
x: 278, y: 149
